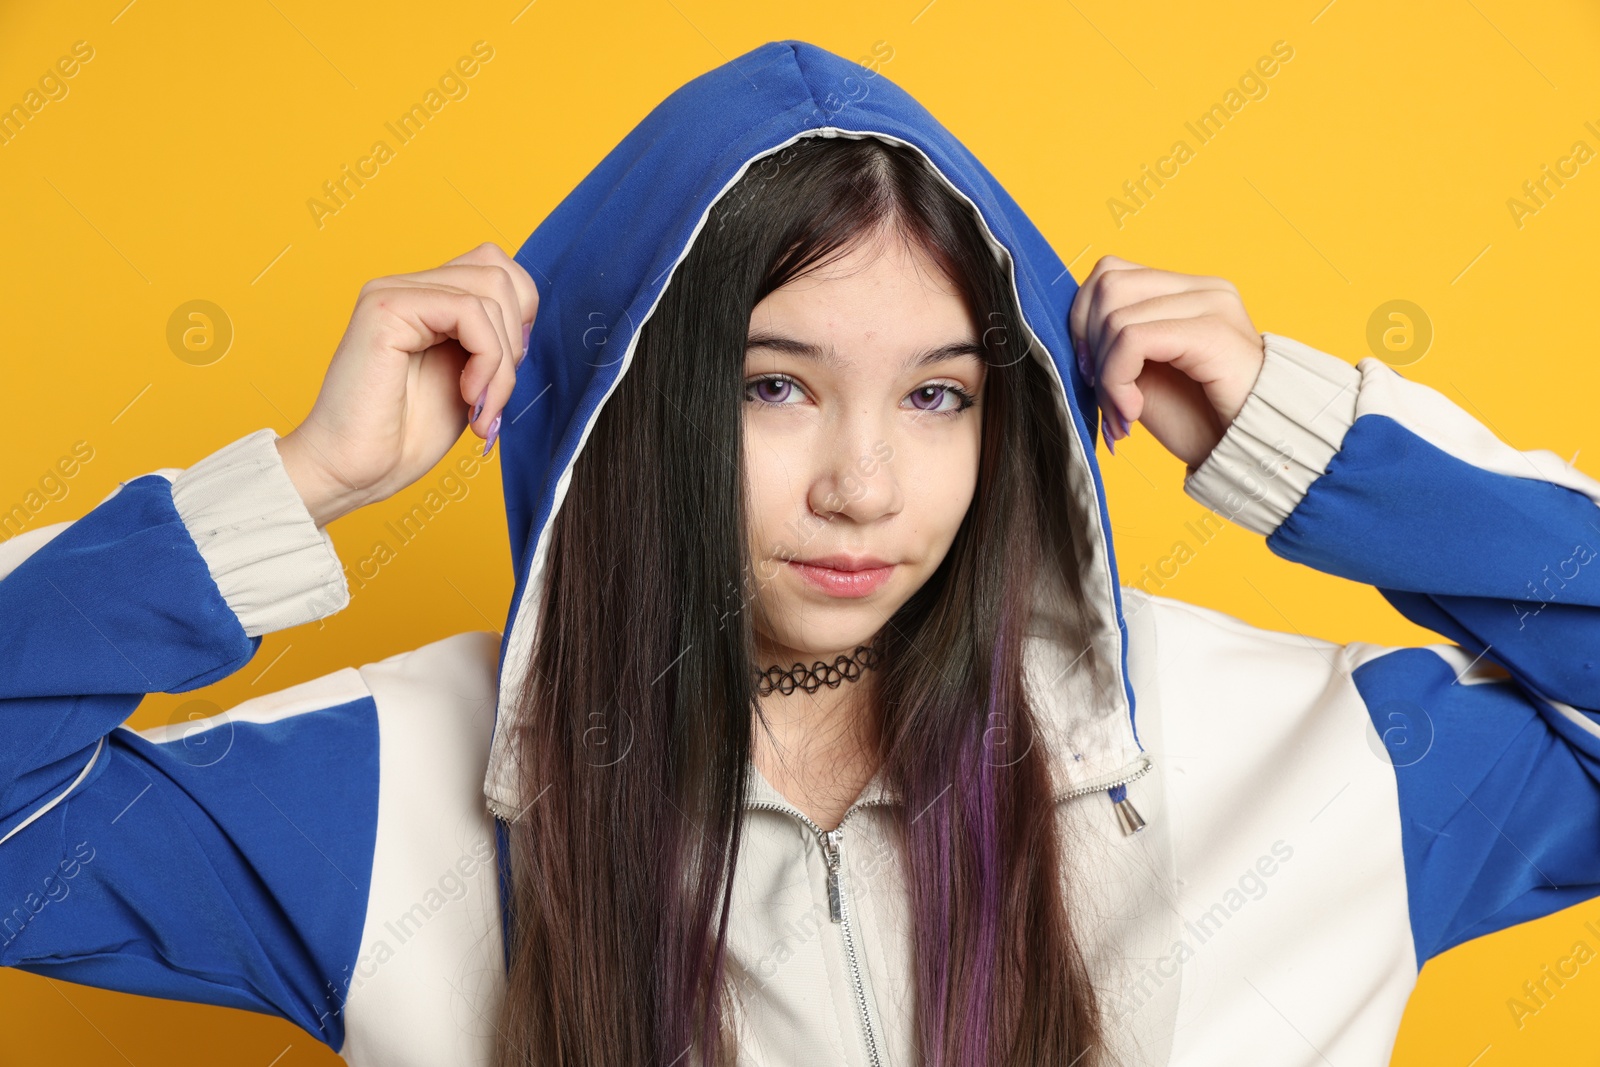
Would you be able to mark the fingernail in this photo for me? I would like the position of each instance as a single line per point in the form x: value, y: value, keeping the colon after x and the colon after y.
x: 527, y: 330
x: 1083, y: 366
x: 494, y: 432
x: 477, y: 409
x: 1105, y: 431
x: 1127, y: 427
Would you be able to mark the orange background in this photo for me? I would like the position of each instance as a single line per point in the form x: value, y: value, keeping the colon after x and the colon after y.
x: 178, y: 166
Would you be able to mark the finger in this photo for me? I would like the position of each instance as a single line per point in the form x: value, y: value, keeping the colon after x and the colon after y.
x: 494, y: 412
x: 1149, y: 295
x: 1158, y: 341
x: 523, y: 293
x: 1192, y: 304
x: 1120, y: 288
x: 487, y: 402
x: 479, y: 387
x: 491, y: 281
x: 489, y: 272
x: 427, y: 317
x: 1119, y: 282
x: 1078, y: 317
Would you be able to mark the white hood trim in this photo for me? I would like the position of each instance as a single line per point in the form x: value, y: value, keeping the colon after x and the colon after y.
x: 1091, y: 746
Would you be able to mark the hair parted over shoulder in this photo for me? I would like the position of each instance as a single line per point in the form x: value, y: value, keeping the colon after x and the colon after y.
x: 640, y: 699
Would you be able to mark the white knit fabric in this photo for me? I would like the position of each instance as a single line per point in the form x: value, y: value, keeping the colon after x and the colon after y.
x: 275, y: 567
x: 1290, y: 427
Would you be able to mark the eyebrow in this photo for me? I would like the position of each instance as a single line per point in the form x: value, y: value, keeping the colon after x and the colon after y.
x: 826, y: 355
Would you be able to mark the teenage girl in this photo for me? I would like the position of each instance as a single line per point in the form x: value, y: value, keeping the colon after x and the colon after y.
x: 820, y: 730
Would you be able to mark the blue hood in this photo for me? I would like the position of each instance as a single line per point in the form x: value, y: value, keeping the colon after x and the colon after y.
x: 605, y: 254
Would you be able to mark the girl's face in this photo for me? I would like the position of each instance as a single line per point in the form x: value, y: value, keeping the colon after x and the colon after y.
x: 863, y: 394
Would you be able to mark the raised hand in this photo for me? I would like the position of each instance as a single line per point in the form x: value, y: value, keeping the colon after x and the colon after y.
x: 1176, y: 352
x: 425, y: 355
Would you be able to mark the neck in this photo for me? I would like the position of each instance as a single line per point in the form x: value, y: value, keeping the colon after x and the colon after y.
x: 818, y: 749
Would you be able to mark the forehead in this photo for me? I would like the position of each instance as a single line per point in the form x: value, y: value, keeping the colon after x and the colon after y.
x: 883, y: 288
x: 885, y: 254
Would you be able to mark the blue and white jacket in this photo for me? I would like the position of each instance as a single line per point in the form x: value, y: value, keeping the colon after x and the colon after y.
x: 1319, y: 818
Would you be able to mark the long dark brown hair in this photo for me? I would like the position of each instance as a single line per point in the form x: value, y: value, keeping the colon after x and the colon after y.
x: 640, y: 701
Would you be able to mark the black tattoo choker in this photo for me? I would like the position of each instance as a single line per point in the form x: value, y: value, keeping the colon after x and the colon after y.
x: 819, y: 674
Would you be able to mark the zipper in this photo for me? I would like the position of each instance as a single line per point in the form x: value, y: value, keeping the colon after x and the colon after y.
x: 1116, y: 786
x: 831, y: 842
x: 830, y: 851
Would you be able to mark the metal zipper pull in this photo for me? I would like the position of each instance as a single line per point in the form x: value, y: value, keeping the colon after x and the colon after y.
x: 830, y: 851
x: 1128, y: 815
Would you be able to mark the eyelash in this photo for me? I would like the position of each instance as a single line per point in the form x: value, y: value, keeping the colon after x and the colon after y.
x: 966, y: 399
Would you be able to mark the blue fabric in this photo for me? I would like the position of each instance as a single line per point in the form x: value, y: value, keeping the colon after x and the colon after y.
x: 230, y: 867
x: 118, y: 605
x: 1482, y: 558
x: 1500, y: 813
x: 1499, y: 792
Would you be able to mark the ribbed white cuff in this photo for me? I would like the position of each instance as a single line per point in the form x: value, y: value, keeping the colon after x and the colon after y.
x: 275, y: 567
x: 1289, y: 429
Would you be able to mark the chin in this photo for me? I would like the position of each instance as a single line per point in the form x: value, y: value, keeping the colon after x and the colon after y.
x: 832, y: 631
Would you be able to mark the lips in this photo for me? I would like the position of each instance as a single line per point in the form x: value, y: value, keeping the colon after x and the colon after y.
x: 842, y: 562
x: 843, y: 576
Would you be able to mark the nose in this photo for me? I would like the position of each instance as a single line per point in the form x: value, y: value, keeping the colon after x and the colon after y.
x: 855, y: 477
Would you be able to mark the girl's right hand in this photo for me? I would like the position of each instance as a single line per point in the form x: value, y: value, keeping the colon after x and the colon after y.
x: 425, y: 355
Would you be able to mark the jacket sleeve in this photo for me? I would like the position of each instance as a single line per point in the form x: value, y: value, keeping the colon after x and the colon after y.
x: 1494, y: 736
x: 224, y: 860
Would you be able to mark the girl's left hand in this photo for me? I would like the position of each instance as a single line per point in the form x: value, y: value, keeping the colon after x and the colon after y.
x: 1176, y: 352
